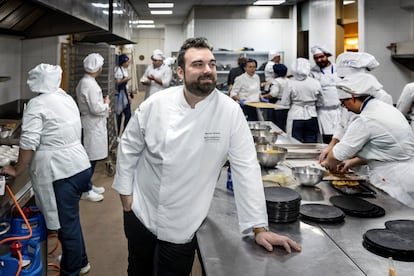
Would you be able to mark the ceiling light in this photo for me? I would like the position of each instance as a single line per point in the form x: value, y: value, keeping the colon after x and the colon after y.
x: 268, y: 2
x: 104, y: 6
x: 145, y: 22
x: 162, y: 12
x: 145, y: 26
x: 160, y: 5
x: 348, y: 2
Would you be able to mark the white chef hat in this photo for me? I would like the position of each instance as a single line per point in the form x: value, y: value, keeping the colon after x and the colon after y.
x: 360, y: 84
x: 169, y: 61
x: 300, y: 68
x: 44, y: 78
x: 317, y: 49
x: 273, y: 53
x: 157, y: 54
x: 93, y: 62
x: 355, y: 62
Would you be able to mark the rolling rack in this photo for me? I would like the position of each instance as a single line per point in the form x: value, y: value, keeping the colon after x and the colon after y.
x: 74, y: 55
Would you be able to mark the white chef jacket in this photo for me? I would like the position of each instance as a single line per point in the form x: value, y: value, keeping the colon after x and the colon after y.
x: 328, y: 106
x: 268, y: 73
x: 279, y: 85
x: 94, y: 113
x: 405, y: 103
x: 382, y: 136
x: 301, y: 96
x: 120, y: 73
x: 247, y: 87
x: 170, y: 157
x: 163, y: 72
x: 51, y: 127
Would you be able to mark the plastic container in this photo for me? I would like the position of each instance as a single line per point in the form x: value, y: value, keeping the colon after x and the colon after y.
x: 31, y: 260
x: 39, y: 231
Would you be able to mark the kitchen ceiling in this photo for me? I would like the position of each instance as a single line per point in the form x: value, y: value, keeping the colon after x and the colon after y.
x: 183, y: 7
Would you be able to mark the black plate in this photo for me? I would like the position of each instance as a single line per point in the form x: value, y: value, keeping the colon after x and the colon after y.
x: 362, y: 189
x: 281, y: 194
x: 387, y: 252
x: 357, y: 207
x: 392, y: 240
x: 321, y: 213
x: 402, y: 225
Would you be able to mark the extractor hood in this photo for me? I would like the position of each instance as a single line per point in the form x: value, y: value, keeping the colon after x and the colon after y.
x: 403, y: 52
x: 42, y: 18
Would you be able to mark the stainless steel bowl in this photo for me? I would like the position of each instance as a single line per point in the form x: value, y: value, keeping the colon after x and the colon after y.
x: 264, y: 137
x: 307, y: 176
x: 270, y: 155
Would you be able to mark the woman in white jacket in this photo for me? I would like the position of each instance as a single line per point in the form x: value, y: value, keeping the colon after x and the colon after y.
x: 50, y: 146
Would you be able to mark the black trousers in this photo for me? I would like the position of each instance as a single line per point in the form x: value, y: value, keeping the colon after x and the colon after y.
x: 148, y: 256
x: 306, y: 131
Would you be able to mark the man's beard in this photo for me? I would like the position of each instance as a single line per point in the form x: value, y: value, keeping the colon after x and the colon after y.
x: 323, y: 64
x: 201, y: 89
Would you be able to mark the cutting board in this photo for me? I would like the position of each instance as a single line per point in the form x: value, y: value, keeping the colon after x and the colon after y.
x: 342, y: 176
x: 261, y: 105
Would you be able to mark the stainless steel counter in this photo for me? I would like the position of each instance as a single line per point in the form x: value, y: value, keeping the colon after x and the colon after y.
x: 327, y: 249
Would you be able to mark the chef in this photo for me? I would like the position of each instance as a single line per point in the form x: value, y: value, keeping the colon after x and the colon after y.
x: 301, y: 96
x: 405, y: 103
x: 329, y: 106
x: 50, y: 145
x: 380, y: 136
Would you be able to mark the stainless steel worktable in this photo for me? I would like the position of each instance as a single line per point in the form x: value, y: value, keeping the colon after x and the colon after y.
x: 327, y: 249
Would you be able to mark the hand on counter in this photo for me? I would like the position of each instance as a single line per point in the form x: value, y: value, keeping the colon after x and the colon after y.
x: 268, y: 239
x: 8, y: 170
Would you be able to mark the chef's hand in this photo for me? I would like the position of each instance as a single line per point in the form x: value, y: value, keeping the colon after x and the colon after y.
x: 324, y: 153
x: 126, y: 201
x: 264, y: 100
x: 8, y: 170
x: 268, y: 239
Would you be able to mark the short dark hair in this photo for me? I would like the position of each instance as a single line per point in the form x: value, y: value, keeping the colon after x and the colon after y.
x: 194, y: 42
x: 249, y: 60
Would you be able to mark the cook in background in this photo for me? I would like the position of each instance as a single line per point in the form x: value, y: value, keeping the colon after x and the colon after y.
x: 277, y: 88
x: 349, y: 63
x: 380, y: 137
x: 274, y: 58
x: 157, y: 76
x: 51, y: 148
x: 329, y: 106
x: 166, y: 173
x: 301, y: 96
x: 246, y: 88
x: 405, y: 103
x: 123, y: 98
x: 94, y: 110
x: 235, y: 72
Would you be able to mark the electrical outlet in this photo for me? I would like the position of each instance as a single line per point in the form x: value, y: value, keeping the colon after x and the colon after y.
x: 2, y: 184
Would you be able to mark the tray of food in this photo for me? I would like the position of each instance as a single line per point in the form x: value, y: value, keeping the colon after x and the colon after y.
x: 353, y: 187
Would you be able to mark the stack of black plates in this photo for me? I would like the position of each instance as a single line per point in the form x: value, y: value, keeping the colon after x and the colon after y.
x: 390, y: 243
x: 282, y: 204
x: 357, y: 207
x: 321, y: 213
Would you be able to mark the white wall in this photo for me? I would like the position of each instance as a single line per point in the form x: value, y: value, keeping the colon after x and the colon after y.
x: 385, y: 22
x: 322, y: 25
x: 174, y: 38
x: 260, y: 34
x: 10, y: 56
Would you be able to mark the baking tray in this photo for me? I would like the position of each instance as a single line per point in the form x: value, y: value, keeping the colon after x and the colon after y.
x: 303, y: 151
x: 362, y: 189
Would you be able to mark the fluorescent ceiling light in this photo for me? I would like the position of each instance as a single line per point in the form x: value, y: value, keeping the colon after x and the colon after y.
x: 113, y: 12
x: 268, y: 2
x: 348, y: 2
x: 103, y: 6
x: 145, y: 26
x: 160, y: 5
x: 162, y: 12
x: 145, y: 22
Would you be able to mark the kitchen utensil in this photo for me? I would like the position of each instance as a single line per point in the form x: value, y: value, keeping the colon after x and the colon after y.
x: 362, y: 189
x: 321, y: 213
x: 307, y: 176
x: 357, y: 207
x: 264, y: 137
x: 401, y: 225
x: 282, y: 204
x: 270, y: 155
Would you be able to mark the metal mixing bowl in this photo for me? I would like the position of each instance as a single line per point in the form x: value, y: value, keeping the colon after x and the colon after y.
x: 264, y: 137
x: 270, y: 155
x: 307, y: 176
